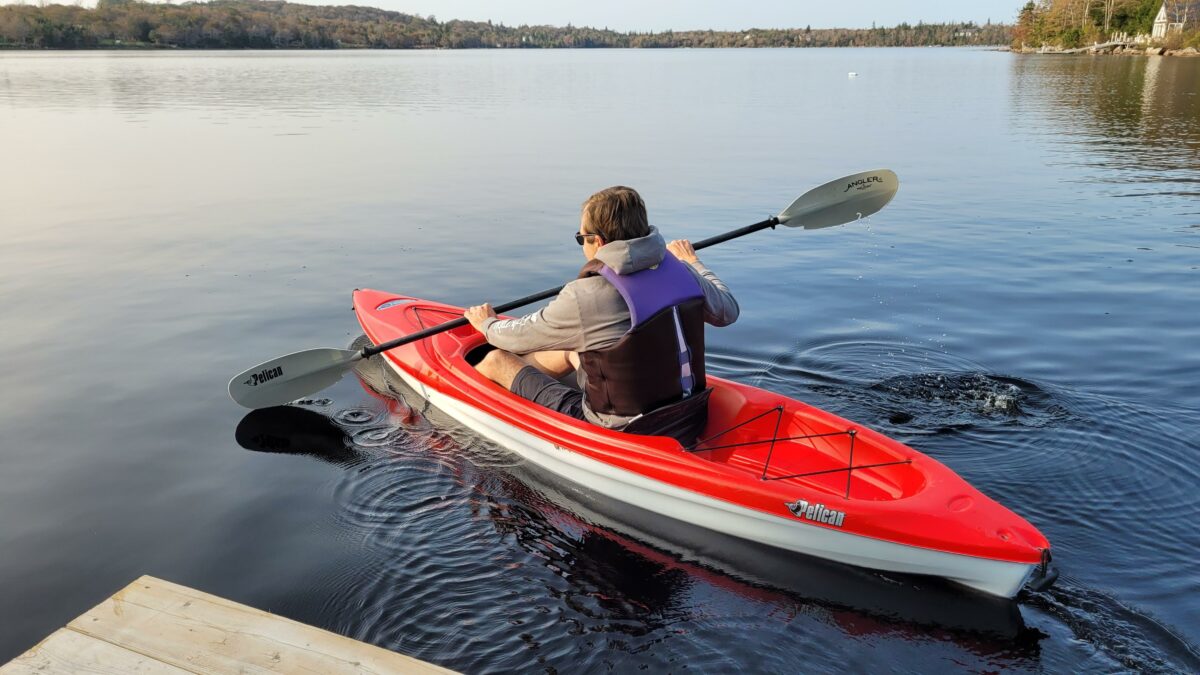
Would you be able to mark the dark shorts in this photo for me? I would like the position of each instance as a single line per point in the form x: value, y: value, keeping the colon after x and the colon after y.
x: 534, y: 385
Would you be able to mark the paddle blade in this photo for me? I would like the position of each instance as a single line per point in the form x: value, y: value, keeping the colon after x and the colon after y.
x: 290, y: 377
x: 842, y: 201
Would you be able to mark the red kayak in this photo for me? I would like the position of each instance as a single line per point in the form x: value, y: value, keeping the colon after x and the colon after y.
x: 766, y: 468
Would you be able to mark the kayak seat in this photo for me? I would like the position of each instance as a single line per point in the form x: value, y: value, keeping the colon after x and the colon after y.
x: 683, y: 420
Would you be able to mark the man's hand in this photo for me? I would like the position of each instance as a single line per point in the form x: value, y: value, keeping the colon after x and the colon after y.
x: 478, y: 314
x: 682, y: 249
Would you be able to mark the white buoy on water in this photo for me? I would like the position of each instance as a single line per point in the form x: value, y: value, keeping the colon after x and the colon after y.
x: 853, y: 74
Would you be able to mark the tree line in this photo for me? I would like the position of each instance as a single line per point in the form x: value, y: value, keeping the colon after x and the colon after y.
x: 272, y: 24
x: 1076, y: 23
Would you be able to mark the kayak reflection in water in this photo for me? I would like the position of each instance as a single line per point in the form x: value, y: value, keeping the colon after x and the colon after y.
x: 631, y: 327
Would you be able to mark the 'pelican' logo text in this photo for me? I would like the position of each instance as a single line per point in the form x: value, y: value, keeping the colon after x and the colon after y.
x: 816, y: 513
x: 266, y: 375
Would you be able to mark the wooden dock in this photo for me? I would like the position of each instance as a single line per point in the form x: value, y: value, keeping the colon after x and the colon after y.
x: 155, y: 626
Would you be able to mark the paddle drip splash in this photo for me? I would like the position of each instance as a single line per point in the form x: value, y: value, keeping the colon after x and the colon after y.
x: 986, y: 394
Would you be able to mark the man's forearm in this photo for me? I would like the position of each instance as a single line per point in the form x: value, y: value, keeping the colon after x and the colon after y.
x: 554, y: 327
x: 720, y: 307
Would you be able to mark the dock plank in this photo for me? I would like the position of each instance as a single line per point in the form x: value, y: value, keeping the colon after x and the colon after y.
x: 203, y: 633
x: 67, y: 651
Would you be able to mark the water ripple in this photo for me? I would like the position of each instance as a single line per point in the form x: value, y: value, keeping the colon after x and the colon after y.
x: 1129, y: 638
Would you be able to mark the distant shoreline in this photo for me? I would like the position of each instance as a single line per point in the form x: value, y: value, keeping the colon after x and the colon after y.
x: 257, y: 24
x: 171, y: 48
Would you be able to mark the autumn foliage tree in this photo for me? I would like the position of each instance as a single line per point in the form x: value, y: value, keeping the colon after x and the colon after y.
x: 1073, y: 23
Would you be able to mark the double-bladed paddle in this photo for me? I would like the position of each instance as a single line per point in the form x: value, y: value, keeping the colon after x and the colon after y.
x: 287, y: 378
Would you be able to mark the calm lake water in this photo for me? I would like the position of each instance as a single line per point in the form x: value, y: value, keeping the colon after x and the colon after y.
x: 1027, y: 311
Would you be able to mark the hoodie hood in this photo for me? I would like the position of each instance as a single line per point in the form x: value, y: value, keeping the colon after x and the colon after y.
x: 633, y: 255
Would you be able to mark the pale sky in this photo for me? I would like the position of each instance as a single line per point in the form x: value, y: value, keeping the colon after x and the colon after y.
x: 657, y: 15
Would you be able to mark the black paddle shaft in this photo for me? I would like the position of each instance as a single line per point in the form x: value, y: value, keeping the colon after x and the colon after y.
x: 457, y: 323
x: 734, y: 234
x: 550, y: 293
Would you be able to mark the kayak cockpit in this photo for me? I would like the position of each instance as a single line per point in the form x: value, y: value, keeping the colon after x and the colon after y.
x: 775, y: 438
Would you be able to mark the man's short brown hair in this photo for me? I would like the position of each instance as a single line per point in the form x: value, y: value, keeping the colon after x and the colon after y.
x: 617, y: 213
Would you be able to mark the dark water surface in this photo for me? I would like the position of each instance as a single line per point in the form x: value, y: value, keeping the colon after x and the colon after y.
x: 1027, y: 311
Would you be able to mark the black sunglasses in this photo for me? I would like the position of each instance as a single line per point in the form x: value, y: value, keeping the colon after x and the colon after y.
x: 581, y: 238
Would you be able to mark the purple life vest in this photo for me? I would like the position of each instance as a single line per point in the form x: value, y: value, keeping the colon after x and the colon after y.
x: 649, y: 291
x: 660, y: 360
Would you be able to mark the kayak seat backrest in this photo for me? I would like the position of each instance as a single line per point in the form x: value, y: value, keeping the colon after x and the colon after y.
x: 683, y: 420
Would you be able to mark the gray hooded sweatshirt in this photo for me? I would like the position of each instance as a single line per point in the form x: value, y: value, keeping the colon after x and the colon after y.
x: 590, y: 313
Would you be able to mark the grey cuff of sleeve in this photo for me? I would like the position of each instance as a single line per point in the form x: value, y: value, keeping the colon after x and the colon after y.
x: 487, y: 323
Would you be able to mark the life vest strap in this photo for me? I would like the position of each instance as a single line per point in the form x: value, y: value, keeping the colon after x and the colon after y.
x: 686, y: 381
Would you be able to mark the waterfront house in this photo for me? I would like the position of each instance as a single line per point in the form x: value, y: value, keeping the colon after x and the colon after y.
x: 1175, y: 15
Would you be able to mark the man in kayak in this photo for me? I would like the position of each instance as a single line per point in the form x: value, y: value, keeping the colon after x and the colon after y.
x: 631, y: 325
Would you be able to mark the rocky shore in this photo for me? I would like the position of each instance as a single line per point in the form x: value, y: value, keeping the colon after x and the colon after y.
x: 1127, y: 49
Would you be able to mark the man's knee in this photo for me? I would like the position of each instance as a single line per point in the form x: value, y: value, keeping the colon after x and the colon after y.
x: 490, y: 363
x: 501, y: 367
